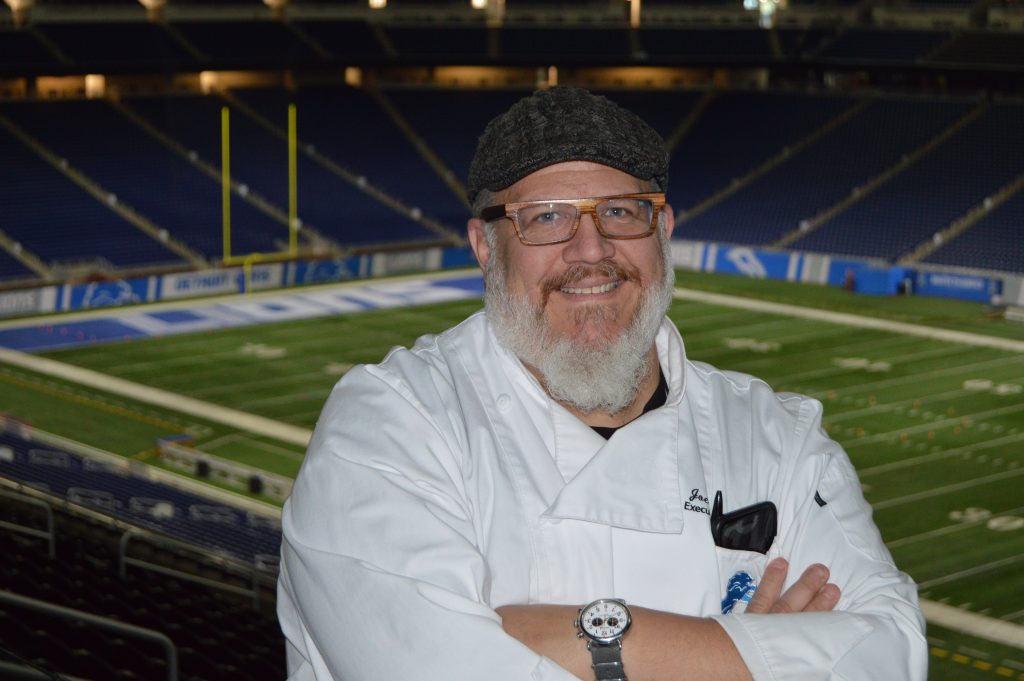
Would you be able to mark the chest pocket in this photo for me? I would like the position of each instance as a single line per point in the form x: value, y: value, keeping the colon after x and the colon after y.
x: 739, y: 574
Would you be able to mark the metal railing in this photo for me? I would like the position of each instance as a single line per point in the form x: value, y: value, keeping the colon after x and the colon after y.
x: 257, y: 575
x: 48, y: 534
x: 106, y: 623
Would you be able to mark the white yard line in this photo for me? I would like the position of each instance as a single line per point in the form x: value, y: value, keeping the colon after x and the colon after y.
x: 835, y: 370
x: 949, y: 529
x: 890, y: 406
x: 971, y: 571
x: 940, y: 423
x: 935, y: 456
x: 876, y: 386
x: 946, y: 489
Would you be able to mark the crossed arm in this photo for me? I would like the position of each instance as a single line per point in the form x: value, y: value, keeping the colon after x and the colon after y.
x: 659, y: 644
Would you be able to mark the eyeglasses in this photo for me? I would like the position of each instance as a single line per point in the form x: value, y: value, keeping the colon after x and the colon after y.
x: 552, y: 221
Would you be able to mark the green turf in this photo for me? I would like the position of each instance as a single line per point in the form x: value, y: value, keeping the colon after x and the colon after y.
x: 958, y: 657
x: 121, y: 426
x: 935, y: 428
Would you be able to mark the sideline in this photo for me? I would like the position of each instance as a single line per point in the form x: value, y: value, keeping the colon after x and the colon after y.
x: 967, y: 622
x: 963, y: 621
x: 161, y: 398
x: 848, y: 319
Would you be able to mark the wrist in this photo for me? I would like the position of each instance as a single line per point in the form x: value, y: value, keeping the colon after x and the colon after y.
x: 603, y: 624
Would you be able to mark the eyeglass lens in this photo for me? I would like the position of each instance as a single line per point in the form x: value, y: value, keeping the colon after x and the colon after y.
x: 617, y: 217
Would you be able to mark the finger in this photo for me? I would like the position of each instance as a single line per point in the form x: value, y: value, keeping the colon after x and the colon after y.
x: 770, y: 587
x: 825, y: 600
x: 800, y: 595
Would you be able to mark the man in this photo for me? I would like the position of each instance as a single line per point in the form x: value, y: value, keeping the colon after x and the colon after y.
x: 463, y: 500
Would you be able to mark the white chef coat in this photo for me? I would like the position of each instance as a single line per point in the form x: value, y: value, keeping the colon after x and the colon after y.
x: 444, y: 483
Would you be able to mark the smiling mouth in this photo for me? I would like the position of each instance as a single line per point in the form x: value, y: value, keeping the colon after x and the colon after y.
x: 591, y: 290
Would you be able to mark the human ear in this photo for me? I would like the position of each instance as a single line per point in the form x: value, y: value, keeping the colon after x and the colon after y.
x: 670, y: 220
x: 476, y: 230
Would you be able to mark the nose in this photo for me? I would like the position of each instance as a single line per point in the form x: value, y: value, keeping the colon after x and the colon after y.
x: 588, y: 245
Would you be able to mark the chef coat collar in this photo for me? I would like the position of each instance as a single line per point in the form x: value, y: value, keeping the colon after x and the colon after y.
x: 633, y: 480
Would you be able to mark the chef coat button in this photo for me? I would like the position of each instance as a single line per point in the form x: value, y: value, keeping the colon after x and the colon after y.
x: 504, y: 402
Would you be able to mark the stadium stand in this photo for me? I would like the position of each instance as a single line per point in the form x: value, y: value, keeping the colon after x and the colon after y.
x: 881, y: 45
x: 139, y: 552
x: 12, y: 269
x: 216, y: 634
x: 813, y: 178
x: 250, y: 44
x: 351, y: 128
x: 694, y: 45
x: 984, y: 48
x: 20, y: 50
x: 739, y: 131
x: 143, y: 173
x: 39, y: 199
x: 346, y: 39
x: 995, y: 242
x: 139, y: 501
x: 102, y: 45
x: 455, y: 44
x: 943, y: 185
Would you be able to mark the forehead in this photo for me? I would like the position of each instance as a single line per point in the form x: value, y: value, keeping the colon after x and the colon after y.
x: 572, y: 180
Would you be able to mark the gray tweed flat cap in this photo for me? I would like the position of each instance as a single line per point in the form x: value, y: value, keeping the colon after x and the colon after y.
x: 565, y: 124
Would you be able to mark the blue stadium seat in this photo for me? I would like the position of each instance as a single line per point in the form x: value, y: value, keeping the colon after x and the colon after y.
x: 59, y: 221
x: 996, y: 242
x: 941, y: 187
x: 825, y: 172
x: 348, y: 127
x: 737, y: 133
x: 146, y: 175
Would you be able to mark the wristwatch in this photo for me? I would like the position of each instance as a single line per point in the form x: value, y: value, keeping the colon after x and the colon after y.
x: 603, y: 623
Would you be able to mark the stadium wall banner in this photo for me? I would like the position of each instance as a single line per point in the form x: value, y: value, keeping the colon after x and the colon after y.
x: 321, y: 271
x: 28, y: 301
x: 871, y: 277
x: 861, y: 276
x: 749, y: 262
x: 107, y: 293
x: 963, y: 286
x: 220, y: 281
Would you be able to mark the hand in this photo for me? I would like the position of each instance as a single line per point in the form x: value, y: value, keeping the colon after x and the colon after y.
x: 811, y: 593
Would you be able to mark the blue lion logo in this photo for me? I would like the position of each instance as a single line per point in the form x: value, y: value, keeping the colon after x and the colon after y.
x: 741, y: 587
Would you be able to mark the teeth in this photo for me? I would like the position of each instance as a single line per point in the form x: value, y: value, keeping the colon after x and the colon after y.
x: 604, y: 288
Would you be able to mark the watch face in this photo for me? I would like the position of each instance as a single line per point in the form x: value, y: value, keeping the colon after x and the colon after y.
x: 605, y: 620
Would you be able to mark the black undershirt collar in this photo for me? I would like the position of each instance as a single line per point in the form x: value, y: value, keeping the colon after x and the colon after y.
x: 658, y: 399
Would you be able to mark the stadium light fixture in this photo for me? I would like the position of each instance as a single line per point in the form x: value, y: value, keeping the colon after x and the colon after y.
x: 154, y: 8
x: 634, y: 13
x: 20, y: 10
x: 95, y: 85
x: 207, y: 81
x: 478, y: 4
x: 378, y: 4
x: 766, y: 10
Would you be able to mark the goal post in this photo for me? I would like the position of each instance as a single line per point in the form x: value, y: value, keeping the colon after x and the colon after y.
x: 247, y: 260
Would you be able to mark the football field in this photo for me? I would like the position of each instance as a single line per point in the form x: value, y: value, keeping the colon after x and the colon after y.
x: 929, y: 406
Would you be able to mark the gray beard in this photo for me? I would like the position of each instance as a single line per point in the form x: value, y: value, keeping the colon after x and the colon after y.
x: 586, y: 378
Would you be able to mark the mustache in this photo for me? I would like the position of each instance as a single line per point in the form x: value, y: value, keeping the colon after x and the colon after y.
x: 577, y: 273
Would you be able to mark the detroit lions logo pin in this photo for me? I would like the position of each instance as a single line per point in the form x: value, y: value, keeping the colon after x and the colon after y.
x: 740, y: 590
